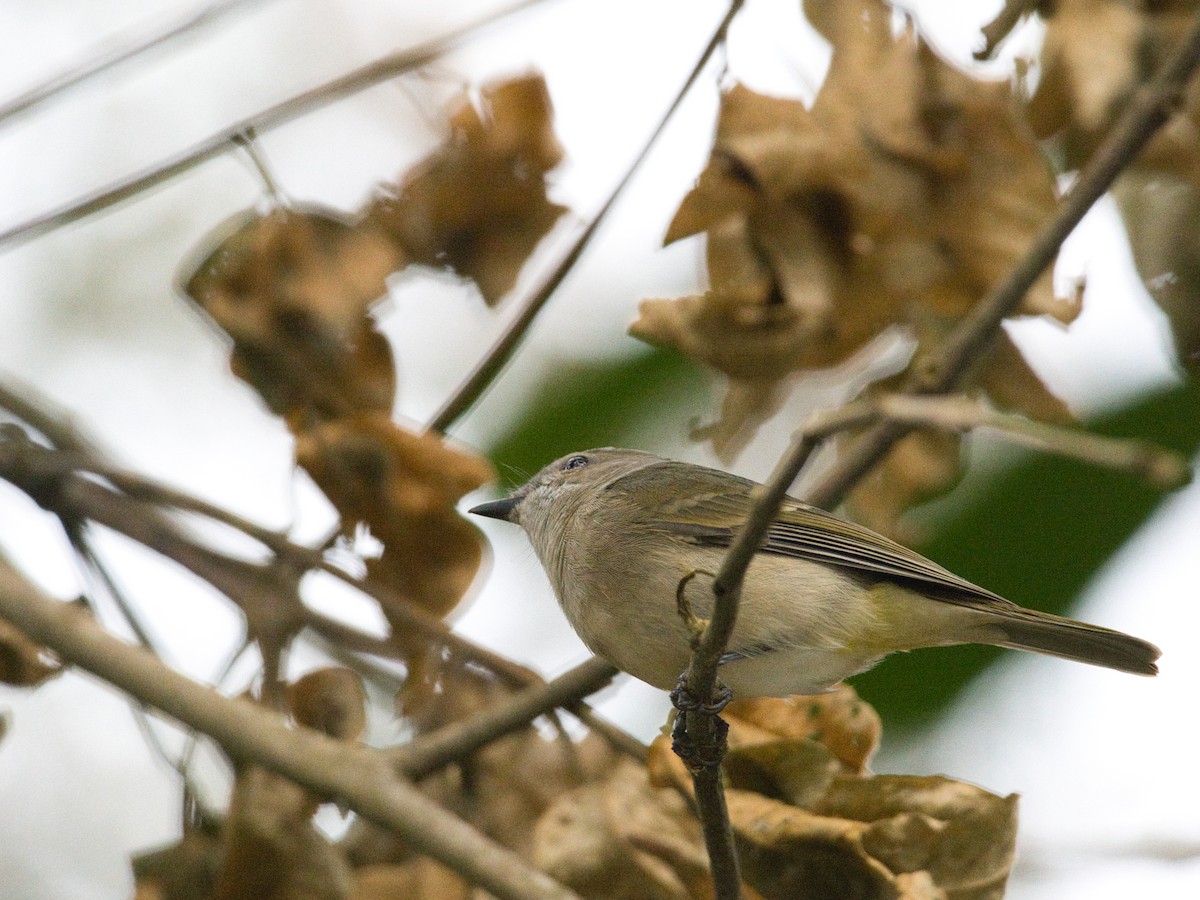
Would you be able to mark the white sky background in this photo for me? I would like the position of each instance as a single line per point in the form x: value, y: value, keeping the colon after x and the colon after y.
x: 88, y: 315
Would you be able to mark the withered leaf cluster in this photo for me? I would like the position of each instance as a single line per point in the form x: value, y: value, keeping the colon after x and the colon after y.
x: 268, y: 847
x: 808, y: 818
x: 294, y: 289
x: 478, y: 205
x: 904, y: 193
x: 1096, y: 54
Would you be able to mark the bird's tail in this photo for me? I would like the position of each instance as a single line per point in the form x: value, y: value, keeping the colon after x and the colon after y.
x: 1025, y: 629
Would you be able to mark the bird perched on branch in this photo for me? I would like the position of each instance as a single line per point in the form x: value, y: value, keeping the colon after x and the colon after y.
x: 621, y: 533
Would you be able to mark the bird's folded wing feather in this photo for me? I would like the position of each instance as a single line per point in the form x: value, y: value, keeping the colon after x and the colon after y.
x: 706, y: 506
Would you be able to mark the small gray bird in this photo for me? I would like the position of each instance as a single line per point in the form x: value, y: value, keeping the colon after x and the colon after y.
x: 617, y: 531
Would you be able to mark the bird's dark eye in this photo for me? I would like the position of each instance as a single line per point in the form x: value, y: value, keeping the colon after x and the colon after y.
x: 575, y: 462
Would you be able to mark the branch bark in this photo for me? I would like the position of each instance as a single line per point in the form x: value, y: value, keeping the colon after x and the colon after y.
x: 107, y: 58
x: 461, y: 739
x: 358, y: 776
x: 301, y: 104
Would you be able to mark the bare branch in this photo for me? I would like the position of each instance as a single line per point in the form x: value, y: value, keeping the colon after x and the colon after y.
x: 301, y: 104
x: 465, y: 396
x: 107, y: 59
x: 358, y: 776
x: 461, y: 739
x: 703, y: 730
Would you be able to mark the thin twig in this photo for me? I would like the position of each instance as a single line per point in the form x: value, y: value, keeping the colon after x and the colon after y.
x: 703, y: 730
x: 485, y: 372
x: 1163, y: 469
x: 301, y: 104
x: 42, y: 414
x: 136, y: 514
x: 1149, y: 108
x: 361, y: 778
x: 128, y: 49
x: 459, y: 740
x: 995, y: 31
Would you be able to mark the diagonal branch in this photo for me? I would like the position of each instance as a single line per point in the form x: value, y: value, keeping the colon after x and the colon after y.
x: 485, y: 372
x: 356, y: 775
x: 301, y: 104
x: 137, y: 512
x: 461, y: 739
x: 107, y: 59
x: 1149, y: 108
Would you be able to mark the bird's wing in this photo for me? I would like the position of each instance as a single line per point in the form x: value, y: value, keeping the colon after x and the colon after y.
x: 708, y: 507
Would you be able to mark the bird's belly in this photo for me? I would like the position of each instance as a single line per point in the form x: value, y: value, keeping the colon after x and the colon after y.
x: 796, y: 621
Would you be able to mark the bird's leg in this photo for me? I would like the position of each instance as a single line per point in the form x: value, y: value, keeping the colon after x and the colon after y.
x: 695, y: 624
x: 697, y: 755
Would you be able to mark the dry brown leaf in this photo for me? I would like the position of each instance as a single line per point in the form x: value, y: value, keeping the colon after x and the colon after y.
x: 1162, y: 216
x: 789, y: 852
x: 841, y: 721
x: 22, y: 662
x: 1011, y: 385
x: 420, y: 879
x: 270, y: 849
x: 964, y: 836
x: 478, y: 205
x: 404, y: 486
x: 330, y: 700
x: 183, y: 871
x: 920, y: 466
x: 292, y: 289
x: 796, y: 772
x: 953, y: 840
x: 621, y: 840
x: 1095, y: 55
x: 905, y: 192
x: 809, y: 824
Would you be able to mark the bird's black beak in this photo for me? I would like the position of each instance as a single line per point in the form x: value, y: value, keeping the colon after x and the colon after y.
x: 497, y: 509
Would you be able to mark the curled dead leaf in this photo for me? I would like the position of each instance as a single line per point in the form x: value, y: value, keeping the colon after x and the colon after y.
x: 796, y: 772
x: 964, y: 836
x: 269, y: 847
x: 809, y: 823
x: 330, y: 700
x: 405, y: 487
x: 789, y: 852
x: 622, y: 839
x: 477, y: 205
x: 906, y: 192
x: 840, y: 720
x: 929, y: 462
x: 292, y: 289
